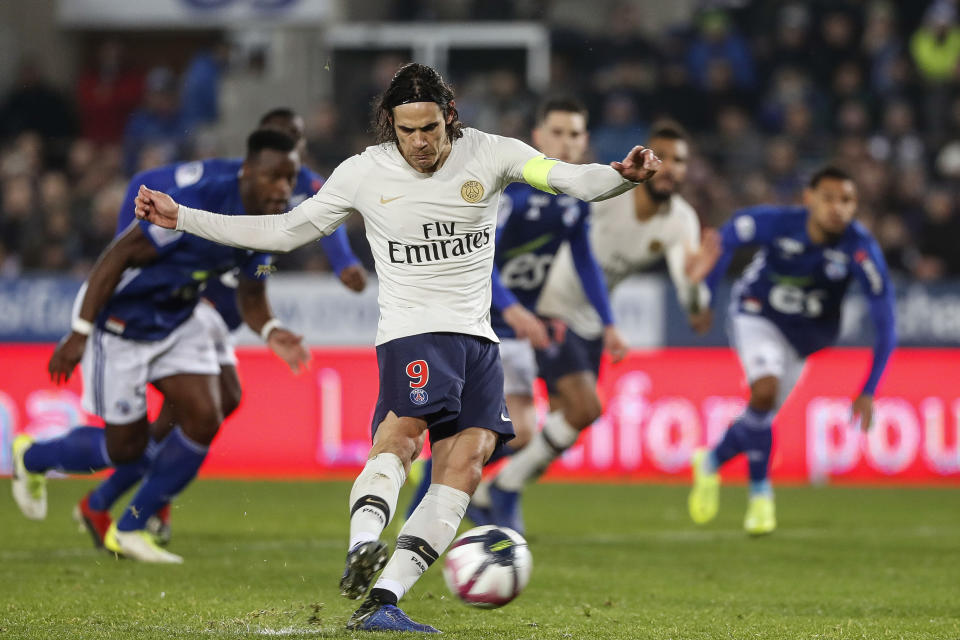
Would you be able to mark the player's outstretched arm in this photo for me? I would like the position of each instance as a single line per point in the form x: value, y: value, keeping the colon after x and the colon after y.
x: 131, y: 249
x: 519, y: 162
x: 871, y: 271
x: 308, y: 221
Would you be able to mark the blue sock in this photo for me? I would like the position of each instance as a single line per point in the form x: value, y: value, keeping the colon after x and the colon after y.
x: 177, y: 461
x: 750, y: 434
x: 123, y: 477
x: 421, y: 488
x: 80, y: 450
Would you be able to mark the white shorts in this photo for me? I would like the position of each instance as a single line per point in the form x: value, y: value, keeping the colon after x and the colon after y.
x: 519, y: 367
x: 764, y: 351
x: 116, y: 370
x: 219, y: 332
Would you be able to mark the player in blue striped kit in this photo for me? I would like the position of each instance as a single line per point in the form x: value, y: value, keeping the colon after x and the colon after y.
x: 93, y: 509
x: 785, y: 307
x: 138, y: 321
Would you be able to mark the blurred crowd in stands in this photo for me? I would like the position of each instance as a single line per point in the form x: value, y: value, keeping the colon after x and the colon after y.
x: 769, y: 90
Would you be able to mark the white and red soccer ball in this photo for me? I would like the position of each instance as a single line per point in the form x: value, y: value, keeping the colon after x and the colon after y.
x: 488, y: 566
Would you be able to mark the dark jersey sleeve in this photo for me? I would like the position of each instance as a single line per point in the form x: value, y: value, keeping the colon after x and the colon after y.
x: 871, y: 272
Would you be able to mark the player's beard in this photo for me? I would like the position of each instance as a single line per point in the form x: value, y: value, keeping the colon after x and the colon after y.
x: 657, y: 196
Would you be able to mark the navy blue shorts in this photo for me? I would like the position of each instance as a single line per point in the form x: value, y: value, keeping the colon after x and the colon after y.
x: 452, y: 380
x: 573, y: 355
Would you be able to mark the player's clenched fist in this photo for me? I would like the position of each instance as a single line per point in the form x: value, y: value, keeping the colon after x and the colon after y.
x: 639, y: 165
x: 156, y: 207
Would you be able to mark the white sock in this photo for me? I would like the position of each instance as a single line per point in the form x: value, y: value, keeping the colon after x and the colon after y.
x: 529, y: 463
x: 373, y: 499
x: 423, y: 538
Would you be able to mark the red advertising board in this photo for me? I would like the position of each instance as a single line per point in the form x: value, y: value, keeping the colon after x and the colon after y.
x: 659, y: 406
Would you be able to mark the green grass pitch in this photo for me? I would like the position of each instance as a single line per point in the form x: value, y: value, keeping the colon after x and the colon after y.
x: 263, y: 560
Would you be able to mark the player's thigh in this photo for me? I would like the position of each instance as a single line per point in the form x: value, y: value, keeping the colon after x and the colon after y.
x: 115, y: 373
x: 164, y: 423
x: 793, y: 369
x: 458, y: 459
x: 482, y: 402
x: 185, y: 369
x: 230, y: 390
x: 576, y: 395
x: 760, y: 347
x: 195, y: 399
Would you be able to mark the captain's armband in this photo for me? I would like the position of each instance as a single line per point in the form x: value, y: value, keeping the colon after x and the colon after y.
x: 535, y: 173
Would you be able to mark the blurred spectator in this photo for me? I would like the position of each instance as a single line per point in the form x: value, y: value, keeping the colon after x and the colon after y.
x: 676, y: 98
x: 100, y: 223
x: 107, y: 93
x: 718, y: 41
x: 936, y: 52
x: 326, y: 145
x: 200, y: 92
x: 789, y: 86
x: 791, y: 45
x: 898, y: 141
x: 936, y: 44
x: 838, y: 43
x: 619, y: 130
x: 34, y: 105
x: 736, y: 147
x: 157, y: 123
x: 937, y: 238
x: 882, y: 46
x: 18, y: 209
x: 782, y: 171
x: 894, y: 238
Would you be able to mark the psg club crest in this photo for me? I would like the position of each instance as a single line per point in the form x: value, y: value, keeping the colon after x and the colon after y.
x: 471, y: 191
x: 419, y: 397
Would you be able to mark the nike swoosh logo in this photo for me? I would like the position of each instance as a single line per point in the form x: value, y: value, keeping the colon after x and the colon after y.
x: 504, y: 417
x: 386, y: 200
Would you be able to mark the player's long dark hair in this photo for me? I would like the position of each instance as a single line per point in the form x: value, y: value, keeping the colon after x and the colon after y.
x: 414, y: 82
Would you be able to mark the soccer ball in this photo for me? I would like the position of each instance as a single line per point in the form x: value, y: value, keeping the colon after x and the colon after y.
x: 487, y: 567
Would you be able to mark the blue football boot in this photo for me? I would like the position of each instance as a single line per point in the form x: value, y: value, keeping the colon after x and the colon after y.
x: 374, y: 615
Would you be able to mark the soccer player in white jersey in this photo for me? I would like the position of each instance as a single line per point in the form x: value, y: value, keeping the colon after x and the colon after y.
x: 628, y: 233
x: 428, y: 194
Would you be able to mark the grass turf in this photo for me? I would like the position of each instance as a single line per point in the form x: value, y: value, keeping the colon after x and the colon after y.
x: 263, y: 559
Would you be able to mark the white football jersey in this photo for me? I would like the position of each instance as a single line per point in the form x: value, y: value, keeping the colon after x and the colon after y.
x: 432, y: 234
x: 624, y: 245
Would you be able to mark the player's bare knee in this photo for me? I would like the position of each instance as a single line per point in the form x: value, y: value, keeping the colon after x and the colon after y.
x: 763, y: 393
x: 203, y: 424
x: 583, y: 412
